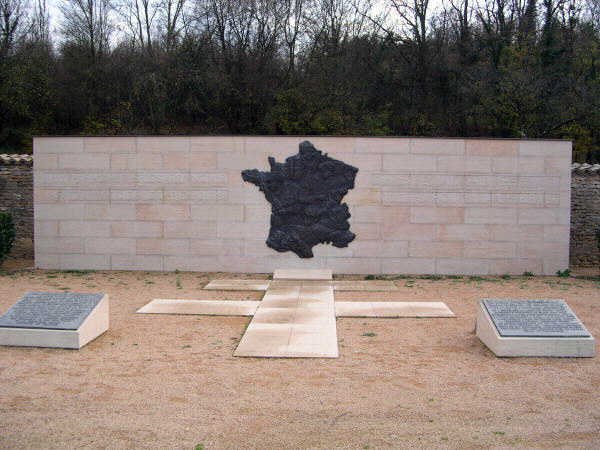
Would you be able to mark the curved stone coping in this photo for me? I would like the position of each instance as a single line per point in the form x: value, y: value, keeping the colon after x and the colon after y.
x: 15, y: 159
x: 588, y: 169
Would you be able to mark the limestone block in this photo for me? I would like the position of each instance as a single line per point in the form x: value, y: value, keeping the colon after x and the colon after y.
x: 58, y: 145
x: 466, y: 266
x: 164, y: 211
x: 437, y: 215
x: 136, y: 262
x: 423, y: 249
x: 114, y: 246
x: 490, y: 250
x: 463, y: 232
x: 84, y: 161
x: 503, y: 216
x: 437, y: 146
x: 408, y: 163
x: 204, y: 160
x: 84, y: 228
x: 492, y: 147
x: 408, y: 265
x: 110, y: 144
x: 189, y: 229
x: 136, y: 229
x: 164, y: 144
x: 176, y: 160
x: 382, y: 145
x: 158, y: 246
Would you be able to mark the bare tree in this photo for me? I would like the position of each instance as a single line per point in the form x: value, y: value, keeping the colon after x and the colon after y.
x: 293, y: 25
x: 461, y: 14
x: 593, y: 10
x: 87, y: 23
x: 13, y: 25
x: 39, y: 30
x: 413, y: 16
x: 497, y: 19
x: 139, y: 16
x: 333, y: 22
x: 172, y: 21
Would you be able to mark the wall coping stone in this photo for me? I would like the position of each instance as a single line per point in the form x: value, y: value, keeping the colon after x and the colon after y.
x: 586, y: 169
x: 15, y: 159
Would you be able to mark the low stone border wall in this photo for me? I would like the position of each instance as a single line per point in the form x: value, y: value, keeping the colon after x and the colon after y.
x: 16, y: 197
x: 585, y: 215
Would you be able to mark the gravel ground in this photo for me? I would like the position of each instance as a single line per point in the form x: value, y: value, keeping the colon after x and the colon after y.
x: 172, y: 382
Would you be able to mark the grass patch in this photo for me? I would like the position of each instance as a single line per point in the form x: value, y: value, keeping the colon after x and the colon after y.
x: 563, y: 273
x: 528, y: 274
x: 78, y: 273
x: 476, y: 278
x: 369, y: 334
x: 431, y: 277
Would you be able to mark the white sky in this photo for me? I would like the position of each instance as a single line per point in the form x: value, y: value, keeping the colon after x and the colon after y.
x: 56, y: 15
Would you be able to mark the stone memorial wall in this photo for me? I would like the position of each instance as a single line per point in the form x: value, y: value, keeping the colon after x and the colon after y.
x: 446, y: 206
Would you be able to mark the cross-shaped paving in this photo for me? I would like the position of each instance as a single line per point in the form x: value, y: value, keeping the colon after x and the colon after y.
x: 296, y: 317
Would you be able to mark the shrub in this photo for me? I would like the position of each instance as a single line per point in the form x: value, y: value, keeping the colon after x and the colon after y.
x: 7, y: 235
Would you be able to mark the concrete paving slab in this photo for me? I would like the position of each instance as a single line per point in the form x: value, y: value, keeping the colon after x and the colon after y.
x: 366, y: 285
x: 200, y: 307
x: 238, y: 285
x: 392, y: 309
x: 302, y: 274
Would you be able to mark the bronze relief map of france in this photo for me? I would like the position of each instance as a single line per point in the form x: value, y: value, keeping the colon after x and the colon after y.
x: 306, y: 195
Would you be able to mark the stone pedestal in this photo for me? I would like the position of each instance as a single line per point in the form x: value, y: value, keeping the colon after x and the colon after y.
x: 532, y: 328
x: 50, y: 319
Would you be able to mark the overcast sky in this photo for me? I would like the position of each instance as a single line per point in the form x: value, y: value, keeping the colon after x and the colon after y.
x: 56, y: 15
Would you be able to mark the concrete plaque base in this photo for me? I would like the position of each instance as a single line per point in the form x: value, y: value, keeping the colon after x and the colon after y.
x: 512, y: 346
x: 91, y: 321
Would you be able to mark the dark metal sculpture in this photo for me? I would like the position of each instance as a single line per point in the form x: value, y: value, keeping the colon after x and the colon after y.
x: 305, y: 194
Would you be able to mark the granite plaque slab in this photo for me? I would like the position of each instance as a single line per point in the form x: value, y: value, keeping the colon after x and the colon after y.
x: 534, y: 318
x: 50, y: 310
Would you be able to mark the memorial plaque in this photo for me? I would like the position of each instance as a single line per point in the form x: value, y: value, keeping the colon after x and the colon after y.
x: 50, y: 310
x: 534, y: 318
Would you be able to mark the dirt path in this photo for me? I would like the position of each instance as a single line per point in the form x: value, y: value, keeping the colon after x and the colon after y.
x: 172, y: 382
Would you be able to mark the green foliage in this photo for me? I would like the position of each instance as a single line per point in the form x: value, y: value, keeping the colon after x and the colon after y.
x: 564, y: 273
x: 7, y: 235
